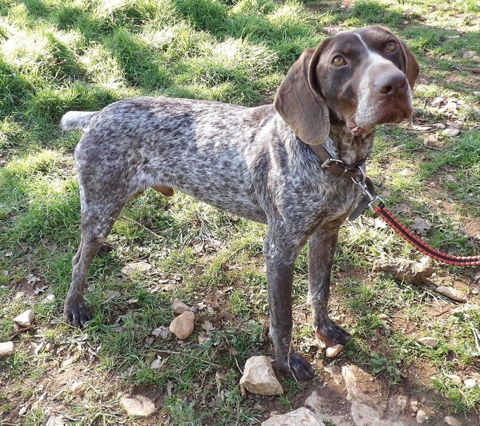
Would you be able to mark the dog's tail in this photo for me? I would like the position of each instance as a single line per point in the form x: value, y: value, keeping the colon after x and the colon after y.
x: 76, y: 120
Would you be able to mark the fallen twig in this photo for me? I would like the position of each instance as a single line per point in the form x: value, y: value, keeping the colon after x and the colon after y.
x: 475, y: 70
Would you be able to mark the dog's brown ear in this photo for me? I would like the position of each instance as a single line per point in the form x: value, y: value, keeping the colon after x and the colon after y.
x: 299, y: 101
x: 412, y: 68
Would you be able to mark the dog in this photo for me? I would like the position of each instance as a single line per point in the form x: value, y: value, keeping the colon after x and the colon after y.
x: 289, y: 165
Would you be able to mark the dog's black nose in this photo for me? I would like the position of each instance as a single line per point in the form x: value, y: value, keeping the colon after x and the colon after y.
x: 391, y: 83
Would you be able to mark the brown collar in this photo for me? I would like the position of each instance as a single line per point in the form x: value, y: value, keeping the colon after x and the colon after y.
x: 336, y: 166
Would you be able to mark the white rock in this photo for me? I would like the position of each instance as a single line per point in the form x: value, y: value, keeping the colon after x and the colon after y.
x: 183, y: 325
x: 451, y: 131
x: 302, y: 417
x: 452, y: 421
x: 178, y: 307
x: 25, y: 319
x: 333, y: 351
x: 259, y: 378
x: 78, y: 387
x: 23, y: 410
x: 137, y: 405
x: 7, y: 349
x: 366, y: 415
x: 207, y: 326
x: 202, y: 338
x: 470, y: 383
x: 452, y: 293
x: 429, y: 341
x: 55, y: 421
x: 422, y: 416
x: 157, y: 363
x: 454, y: 378
x: 162, y: 332
x: 49, y: 298
x: 136, y: 268
x: 467, y: 54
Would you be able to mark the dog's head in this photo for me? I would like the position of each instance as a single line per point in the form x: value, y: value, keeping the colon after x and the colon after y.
x: 361, y: 78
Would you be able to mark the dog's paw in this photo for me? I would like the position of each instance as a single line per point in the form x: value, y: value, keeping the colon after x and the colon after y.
x: 332, y: 334
x: 76, y: 313
x: 298, y: 367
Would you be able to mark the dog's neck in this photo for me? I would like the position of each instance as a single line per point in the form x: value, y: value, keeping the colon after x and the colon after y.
x: 347, y: 147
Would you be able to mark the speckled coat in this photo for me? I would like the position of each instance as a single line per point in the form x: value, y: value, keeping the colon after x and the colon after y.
x: 250, y: 162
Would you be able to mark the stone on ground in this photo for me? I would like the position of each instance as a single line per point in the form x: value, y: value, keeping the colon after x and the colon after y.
x: 55, y: 421
x: 333, y: 351
x: 301, y: 417
x: 452, y: 421
x: 49, y: 298
x: 259, y: 378
x: 404, y: 269
x: 137, y: 405
x: 183, y: 325
x: 178, y: 307
x: 162, y: 332
x: 422, y: 417
x: 136, y: 268
x: 25, y: 319
x: 6, y: 349
x: 429, y: 341
x: 452, y: 293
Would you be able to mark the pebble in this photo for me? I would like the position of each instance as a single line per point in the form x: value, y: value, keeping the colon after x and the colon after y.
x: 137, y: 405
x: 451, y: 131
x: 178, y: 307
x: 156, y: 364
x: 49, y: 298
x: 470, y: 383
x: 300, y: 417
x: 452, y: 421
x: 136, y: 268
x: 162, y: 332
x: 202, y: 338
x: 333, y: 351
x: 78, y: 387
x: 259, y: 378
x: 7, y: 349
x: 183, y: 325
x: 422, y: 416
x: 207, y: 326
x: 454, y: 378
x: 429, y: 341
x: 467, y: 54
x: 55, y: 421
x: 25, y: 319
x: 452, y: 293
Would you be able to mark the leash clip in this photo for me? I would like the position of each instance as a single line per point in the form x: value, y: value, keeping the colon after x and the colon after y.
x: 327, y: 163
x: 369, y: 200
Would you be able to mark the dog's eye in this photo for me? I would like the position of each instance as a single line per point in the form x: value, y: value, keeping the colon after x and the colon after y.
x: 338, y: 61
x: 391, y: 46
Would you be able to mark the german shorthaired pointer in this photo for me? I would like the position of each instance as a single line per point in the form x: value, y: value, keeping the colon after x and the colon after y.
x: 259, y: 163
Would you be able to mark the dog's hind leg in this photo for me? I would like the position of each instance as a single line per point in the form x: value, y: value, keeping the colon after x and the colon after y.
x: 100, y: 205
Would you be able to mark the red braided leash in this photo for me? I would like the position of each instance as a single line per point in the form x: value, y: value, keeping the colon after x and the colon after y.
x: 421, y: 245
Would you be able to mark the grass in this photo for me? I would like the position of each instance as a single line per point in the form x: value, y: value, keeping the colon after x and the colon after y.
x: 57, y: 56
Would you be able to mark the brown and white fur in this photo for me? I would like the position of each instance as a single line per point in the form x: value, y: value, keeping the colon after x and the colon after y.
x: 254, y: 162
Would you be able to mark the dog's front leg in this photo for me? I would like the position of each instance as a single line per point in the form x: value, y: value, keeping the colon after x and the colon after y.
x: 322, y: 244
x: 280, y: 257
